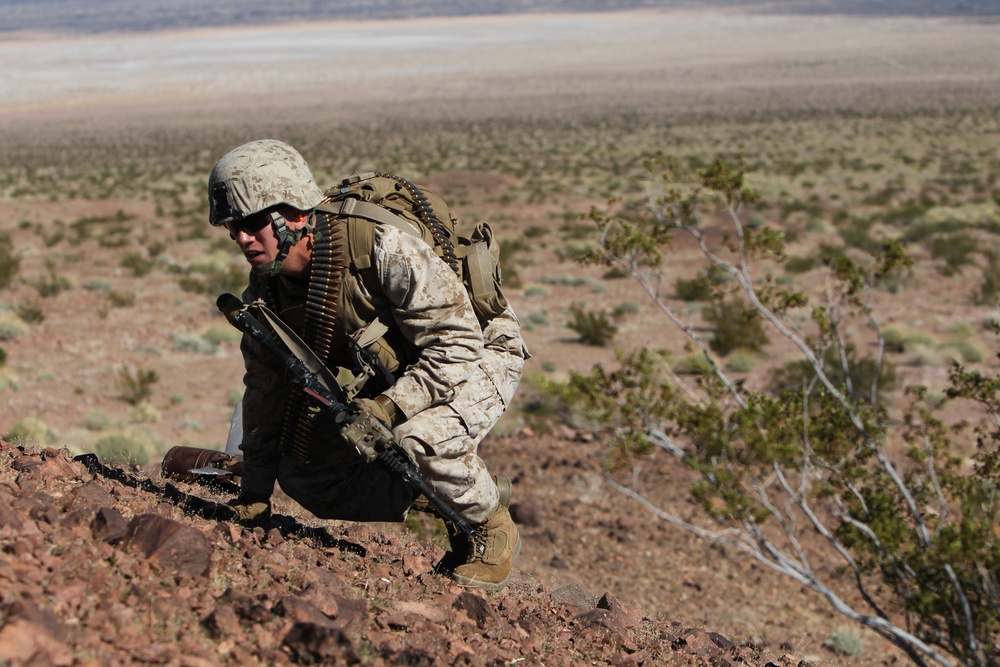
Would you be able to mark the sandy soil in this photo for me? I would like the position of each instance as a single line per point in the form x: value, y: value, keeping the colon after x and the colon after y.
x: 486, y: 61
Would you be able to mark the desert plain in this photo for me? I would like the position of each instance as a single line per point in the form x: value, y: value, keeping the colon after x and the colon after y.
x: 854, y: 128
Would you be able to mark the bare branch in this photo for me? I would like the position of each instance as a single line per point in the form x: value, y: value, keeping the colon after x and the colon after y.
x: 764, y: 552
x: 970, y: 627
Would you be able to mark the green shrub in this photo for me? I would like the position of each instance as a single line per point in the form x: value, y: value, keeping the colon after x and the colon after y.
x: 573, y: 230
x: 3, y: 357
x: 214, y: 280
x: 735, y: 328
x: 574, y: 250
x: 563, y: 280
x: 614, y: 273
x: 693, y: 364
x: 535, y: 319
x: 857, y: 234
x: 218, y: 333
x: 121, y: 299
x: 121, y: 449
x: 510, y: 247
x: 144, y: 413
x: 31, y: 431
x: 137, y: 264
x: 695, y: 289
x: 188, y: 342
x: 917, y: 339
x: 845, y: 643
x: 50, y: 285
x: 795, y: 375
x: 536, y: 290
x: 988, y: 293
x: 235, y: 396
x: 741, y: 362
x: 12, y: 326
x: 30, y: 313
x: 10, y: 263
x: 136, y: 387
x: 594, y: 327
x: 955, y: 250
x: 963, y: 351
x: 54, y: 239
x: 95, y: 421
x: 625, y: 308
x: 510, y: 277
x: 900, y: 340
x: 156, y: 248
x: 962, y: 330
x: 796, y: 265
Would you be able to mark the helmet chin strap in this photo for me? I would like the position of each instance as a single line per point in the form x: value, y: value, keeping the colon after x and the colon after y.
x: 287, y: 237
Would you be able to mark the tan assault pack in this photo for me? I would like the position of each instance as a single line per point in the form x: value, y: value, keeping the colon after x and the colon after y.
x: 387, y: 199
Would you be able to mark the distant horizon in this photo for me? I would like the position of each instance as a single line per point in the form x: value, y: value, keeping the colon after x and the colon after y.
x: 533, y: 64
x: 114, y: 16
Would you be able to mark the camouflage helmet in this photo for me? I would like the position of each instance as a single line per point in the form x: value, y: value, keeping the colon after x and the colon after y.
x: 257, y: 176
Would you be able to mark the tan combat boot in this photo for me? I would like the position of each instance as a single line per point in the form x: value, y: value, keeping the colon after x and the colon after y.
x: 461, y: 547
x: 489, y: 557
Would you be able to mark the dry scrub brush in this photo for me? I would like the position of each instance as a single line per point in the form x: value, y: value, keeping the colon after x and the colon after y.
x: 905, y: 504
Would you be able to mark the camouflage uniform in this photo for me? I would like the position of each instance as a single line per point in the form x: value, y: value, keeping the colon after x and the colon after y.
x: 452, y: 394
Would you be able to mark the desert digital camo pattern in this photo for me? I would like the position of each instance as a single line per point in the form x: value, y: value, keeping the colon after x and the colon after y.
x: 452, y: 394
x: 262, y: 174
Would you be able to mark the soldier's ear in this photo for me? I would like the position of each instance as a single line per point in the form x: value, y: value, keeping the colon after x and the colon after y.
x: 294, y: 218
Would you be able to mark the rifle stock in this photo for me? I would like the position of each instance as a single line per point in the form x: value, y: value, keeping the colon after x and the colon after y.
x: 354, y: 427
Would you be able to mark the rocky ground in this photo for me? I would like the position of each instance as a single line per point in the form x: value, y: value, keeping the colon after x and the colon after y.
x: 109, y: 566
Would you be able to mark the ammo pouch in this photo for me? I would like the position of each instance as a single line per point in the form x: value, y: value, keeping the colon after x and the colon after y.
x: 480, y: 255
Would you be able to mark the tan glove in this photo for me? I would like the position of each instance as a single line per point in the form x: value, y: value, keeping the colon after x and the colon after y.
x: 250, y: 506
x: 381, y: 408
x: 372, y: 428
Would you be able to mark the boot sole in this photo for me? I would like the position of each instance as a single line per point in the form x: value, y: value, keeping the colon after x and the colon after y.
x: 489, y: 586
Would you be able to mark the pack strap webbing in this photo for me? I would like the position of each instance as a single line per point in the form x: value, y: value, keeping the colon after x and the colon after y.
x: 362, y: 240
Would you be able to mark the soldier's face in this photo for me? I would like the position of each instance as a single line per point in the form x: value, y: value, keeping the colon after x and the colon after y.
x: 258, y: 242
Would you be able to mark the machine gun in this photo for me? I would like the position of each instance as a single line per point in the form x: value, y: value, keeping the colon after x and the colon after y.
x: 370, y: 436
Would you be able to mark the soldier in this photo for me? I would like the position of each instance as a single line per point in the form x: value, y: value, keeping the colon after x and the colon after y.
x: 390, y: 311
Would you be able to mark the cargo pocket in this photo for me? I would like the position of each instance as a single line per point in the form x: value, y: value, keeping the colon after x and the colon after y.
x: 478, y: 403
x: 503, y: 364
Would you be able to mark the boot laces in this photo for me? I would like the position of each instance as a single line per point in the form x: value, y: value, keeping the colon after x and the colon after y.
x: 479, y: 543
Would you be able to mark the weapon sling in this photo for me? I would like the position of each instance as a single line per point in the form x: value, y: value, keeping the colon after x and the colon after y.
x: 301, y: 376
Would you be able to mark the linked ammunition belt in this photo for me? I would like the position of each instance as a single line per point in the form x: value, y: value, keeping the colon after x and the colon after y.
x: 329, y: 259
x: 320, y: 320
x: 427, y: 215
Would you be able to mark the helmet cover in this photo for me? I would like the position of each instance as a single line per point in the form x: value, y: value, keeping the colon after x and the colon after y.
x: 257, y: 176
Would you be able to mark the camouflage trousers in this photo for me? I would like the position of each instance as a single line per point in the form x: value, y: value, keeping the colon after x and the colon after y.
x: 443, y: 441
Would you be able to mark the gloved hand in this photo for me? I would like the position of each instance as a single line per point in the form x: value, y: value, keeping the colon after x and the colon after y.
x: 382, y: 408
x: 250, y: 506
x: 371, y: 430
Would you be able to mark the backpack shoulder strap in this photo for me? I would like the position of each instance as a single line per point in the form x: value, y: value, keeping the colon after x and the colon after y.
x: 362, y: 236
x: 352, y: 207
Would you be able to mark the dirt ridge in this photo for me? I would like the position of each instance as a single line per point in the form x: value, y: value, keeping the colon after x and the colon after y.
x: 108, y: 566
